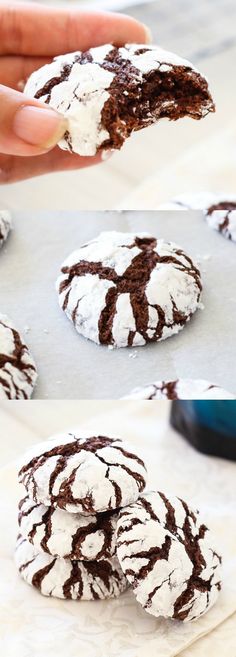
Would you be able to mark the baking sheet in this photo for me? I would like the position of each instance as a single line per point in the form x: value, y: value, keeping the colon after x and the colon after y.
x: 32, y: 625
x: 72, y: 367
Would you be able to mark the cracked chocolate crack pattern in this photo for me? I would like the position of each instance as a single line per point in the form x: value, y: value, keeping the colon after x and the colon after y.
x: 5, y: 225
x: 84, y: 475
x: 69, y: 579
x: 68, y: 535
x: 219, y: 210
x: 127, y: 289
x: 180, y: 389
x: 106, y: 93
x: 221, y: 216
x: 167, y: 555
x: 18, y: 373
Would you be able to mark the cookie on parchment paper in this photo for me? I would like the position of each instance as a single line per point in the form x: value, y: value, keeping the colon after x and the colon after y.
x: 180, y: 389
x: 218, y: 209
x: 18, y: 372
x: 125, y: 289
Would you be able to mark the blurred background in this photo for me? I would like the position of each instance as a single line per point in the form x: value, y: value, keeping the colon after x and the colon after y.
x: 168, y: 158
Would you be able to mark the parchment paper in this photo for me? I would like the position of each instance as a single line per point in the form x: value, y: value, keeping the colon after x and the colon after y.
x: 72, y: 367
x: 32, y: 625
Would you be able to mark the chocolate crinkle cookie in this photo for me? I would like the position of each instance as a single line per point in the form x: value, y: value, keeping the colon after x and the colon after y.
x: 85, y: 475
x: 18, y: 372
x: 180, y: 389
x: 106, y: 93
x: 68, y: 535
x: 218, y: 209
x: 168, y: 556
x: 5, y: 225
x: 125, y: 289
x: 69, y: 579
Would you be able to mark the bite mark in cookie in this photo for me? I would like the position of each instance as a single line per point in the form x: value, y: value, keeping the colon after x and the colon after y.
x: 106, y: 93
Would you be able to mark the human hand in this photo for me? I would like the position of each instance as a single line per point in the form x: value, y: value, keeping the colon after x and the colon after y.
x: 30, y: 36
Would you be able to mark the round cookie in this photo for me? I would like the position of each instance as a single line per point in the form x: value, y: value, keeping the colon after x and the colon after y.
x: 82, y: 474
x: 180, y: 389
x: 68, y: 535
x: 218, y: 209
x: 68, y: 579
x: 167, y: 555
x: 18, y: 373
x: 5, y: 225
x: 106, y: 93
x: 125, y: 289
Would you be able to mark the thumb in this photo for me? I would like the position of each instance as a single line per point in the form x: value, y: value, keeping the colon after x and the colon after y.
x: 27, y: 127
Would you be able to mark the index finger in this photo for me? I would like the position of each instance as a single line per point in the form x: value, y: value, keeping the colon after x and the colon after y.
x: 38, y: 30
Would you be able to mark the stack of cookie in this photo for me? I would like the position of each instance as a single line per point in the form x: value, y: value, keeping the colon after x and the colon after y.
x: 67, y: 520
x: 87, y: 531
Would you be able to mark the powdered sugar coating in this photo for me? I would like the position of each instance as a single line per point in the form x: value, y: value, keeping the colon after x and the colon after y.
x: 66, y: 579
x: 67, y: 535
x: 126, y: 289
x: 5, y: 225
x: 167, y: 555
x: 18, y: 372
x: 180, y: 389
x: 223, y: 220
x: 79, y: 86
x: 83, y: 474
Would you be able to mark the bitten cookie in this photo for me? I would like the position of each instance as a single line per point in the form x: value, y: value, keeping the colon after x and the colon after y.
x: 168, y: 557
x: 127, y: 289
x: 68, y: 535
x: 18, y: 373
x: 218, y: 209
x: 5, y: 225
x: 180, y: 389
x: 106, y: 93
x: 69, y: 579
x: 84, y: 475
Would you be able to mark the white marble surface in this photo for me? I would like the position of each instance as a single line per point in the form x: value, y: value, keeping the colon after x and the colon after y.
x: 31, y: 623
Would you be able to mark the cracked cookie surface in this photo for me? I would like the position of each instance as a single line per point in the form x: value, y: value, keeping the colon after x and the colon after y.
x: 106, y: 93
x: 125, y: 289
x: 180, y: 389
x: 18, y: 372
x: 68, y: 535
x: 69, y: 579
x: 167, y: 555
x: 84, y: 475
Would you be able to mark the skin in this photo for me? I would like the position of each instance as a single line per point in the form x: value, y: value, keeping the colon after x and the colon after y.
x: 30, y: 36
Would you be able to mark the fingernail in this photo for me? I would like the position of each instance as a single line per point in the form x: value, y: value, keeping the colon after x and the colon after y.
x: 148, y: 34
x: 38, y: 126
